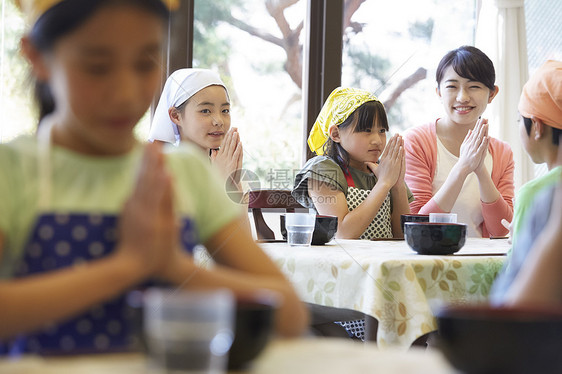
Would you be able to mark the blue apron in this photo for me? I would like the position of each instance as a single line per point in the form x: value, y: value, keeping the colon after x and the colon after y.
x: 61, y: 240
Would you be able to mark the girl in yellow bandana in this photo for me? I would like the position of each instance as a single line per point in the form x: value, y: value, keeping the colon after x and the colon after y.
x: 356, y: 176
x: 87, y: 213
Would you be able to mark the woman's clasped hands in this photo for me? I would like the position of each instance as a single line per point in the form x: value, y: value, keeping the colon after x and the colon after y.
x: 474, y: 148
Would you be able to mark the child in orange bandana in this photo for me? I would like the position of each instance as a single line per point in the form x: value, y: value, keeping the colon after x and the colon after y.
x: 540, y: 106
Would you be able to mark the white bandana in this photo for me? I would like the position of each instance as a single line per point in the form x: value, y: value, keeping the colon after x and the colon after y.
x: 180, y: 86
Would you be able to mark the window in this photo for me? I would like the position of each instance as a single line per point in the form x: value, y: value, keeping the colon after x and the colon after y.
x: 15, y: 105
x: 393, y: 48
x: 544, y: 41
x: 257, y: 51
x: 18, y: 109
x: 390, y: 48
x: 544, y: 32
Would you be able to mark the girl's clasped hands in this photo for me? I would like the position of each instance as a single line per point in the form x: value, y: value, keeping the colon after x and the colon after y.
x: 148, y: 226
x: 228, y: 158
x: 391, y: 167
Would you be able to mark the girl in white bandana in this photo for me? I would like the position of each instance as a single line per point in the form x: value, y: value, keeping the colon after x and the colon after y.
x: 195, y: 106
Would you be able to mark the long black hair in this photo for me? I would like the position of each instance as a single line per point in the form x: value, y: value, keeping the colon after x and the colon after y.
x: 62, y: 19
x: 364, y: 118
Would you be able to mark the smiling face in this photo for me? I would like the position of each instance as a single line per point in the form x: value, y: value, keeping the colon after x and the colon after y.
x: 103, y: 76
x: 206, y: 118
x: 464, y: 100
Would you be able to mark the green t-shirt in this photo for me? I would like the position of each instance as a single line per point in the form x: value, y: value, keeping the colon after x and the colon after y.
x: 527, y: 194
x: 84, y: 184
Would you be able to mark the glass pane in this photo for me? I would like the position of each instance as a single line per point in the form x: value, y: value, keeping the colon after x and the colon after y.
x: 392, y: 48
x: 244, y: 43
x: 18, y: 116
x: 19, y: 112
x: 544, y: 32
x: 544, y: 40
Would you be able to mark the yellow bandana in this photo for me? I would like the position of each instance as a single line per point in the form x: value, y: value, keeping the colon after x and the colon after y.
x: 33, y: 9
x: 341, y: 103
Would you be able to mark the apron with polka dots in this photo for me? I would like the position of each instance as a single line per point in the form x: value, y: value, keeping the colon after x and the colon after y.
x: 381, y: 226
x: 62, y: 240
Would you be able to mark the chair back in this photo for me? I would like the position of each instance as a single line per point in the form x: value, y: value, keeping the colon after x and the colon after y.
x: 270, y: 199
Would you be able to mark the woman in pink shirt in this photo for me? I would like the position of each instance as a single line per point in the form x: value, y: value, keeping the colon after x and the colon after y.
x: 452, y: 165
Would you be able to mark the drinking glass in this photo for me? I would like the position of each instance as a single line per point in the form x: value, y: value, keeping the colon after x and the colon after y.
x: 300, y: 227
x: 188, y: 332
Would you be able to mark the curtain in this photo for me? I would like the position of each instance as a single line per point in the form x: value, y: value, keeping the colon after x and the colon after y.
x: 500, y: 33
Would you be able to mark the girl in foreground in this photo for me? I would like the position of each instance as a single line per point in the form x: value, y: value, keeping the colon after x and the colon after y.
x: 86, y: 212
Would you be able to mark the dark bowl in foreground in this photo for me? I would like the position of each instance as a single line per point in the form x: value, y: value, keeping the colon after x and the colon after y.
x: 435, y: 238
x: 325, y: 228
x: 255, y: 326
x: 412, y: 218
x: 482, y: 339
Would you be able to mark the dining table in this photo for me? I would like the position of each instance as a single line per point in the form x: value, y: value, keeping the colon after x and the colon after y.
x: 281, y: 356
x: 389, y: 281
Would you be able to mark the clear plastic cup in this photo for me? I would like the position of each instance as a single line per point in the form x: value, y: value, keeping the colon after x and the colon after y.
x: 300, y: 227
x: 188, y: 332
x: 443, y: 217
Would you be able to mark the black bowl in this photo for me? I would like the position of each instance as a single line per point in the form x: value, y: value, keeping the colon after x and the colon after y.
x: 428, y: 238
x: 412, y: 218
x: 255, y: 326
x: 482, y: 339
x: 325, y: 228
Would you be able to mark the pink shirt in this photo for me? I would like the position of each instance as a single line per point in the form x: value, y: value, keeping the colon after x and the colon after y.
x: 421, y: 157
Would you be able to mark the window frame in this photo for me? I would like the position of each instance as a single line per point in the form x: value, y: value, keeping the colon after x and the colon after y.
x: 322, y: 65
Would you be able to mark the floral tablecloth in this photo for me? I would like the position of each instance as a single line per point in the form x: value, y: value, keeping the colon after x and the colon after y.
x: 389, y: 281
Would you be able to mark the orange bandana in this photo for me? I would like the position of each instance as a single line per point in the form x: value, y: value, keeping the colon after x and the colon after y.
x: 542, y: 95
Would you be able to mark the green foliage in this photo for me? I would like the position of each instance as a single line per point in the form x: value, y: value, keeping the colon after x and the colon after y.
x: 209, y: 49
x: 395, y: 117
x: 422, y: 30
x: 271, y: 67
x: 17, y: 105
x: 271, y: 154
x: 367, y: 66
x: 14, y: 67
